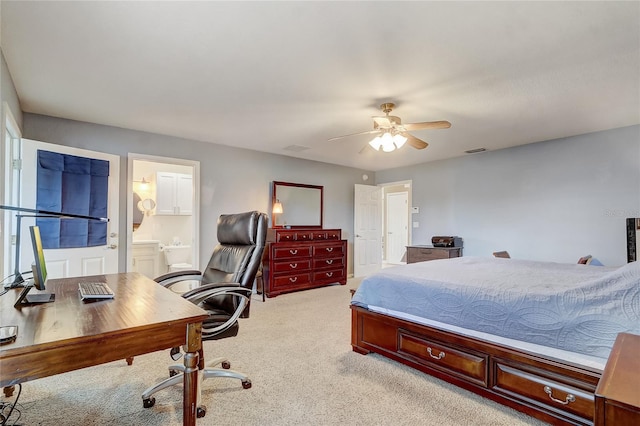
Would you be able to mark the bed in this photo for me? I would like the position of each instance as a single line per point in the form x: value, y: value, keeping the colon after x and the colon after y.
x: 531, y: 335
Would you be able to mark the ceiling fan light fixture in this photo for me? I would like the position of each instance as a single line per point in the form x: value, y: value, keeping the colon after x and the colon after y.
x: 376, y: 143
x: 399, y: 140
x: 387, y: 142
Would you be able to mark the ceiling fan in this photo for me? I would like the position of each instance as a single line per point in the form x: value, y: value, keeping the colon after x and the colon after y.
x: 392, y: 134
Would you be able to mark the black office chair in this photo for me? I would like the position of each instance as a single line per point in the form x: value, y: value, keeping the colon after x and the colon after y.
x: 224, y: 291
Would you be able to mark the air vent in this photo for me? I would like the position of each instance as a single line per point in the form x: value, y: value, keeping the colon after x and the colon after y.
x: 473, y: 151
x: 295, y: 148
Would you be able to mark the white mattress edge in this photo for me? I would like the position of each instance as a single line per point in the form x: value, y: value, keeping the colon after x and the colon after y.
x: 559, y: 354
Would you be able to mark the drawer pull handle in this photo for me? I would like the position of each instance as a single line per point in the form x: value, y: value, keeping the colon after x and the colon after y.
x: 568, y: 399
x: 293, y: 279
x: 329, y: 262
x: 329, y: 249
x: 293, y: 251
x: 304, y: 237
x: 293, y: 265
x: 440, y: 355
x: 329, y: 274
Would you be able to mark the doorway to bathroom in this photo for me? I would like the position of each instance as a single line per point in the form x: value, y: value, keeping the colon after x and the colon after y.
x: 162, y: 214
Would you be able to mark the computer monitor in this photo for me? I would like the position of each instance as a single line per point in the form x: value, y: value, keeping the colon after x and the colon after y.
x: 39, y: 274
x: 39, y: 266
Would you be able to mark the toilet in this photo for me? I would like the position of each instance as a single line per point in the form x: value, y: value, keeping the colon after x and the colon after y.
x: 178, y: 257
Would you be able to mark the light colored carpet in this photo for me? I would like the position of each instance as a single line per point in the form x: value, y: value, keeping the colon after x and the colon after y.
x: 296, y: 349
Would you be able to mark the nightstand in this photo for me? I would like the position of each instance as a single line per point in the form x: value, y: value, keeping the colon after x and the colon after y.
x: 424, y: 253
x: 618, y: 392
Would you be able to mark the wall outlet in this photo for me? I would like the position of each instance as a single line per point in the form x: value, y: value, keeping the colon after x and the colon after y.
x: 416, y: 224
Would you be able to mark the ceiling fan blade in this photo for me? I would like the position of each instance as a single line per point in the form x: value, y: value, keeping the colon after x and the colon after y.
x: 428, y: 125
x: 415, y: 142
x: 354, y: 134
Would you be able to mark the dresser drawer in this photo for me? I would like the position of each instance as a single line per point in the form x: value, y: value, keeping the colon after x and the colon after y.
x: 326, y: 262
x: 292, y: 265
x: 328, y: 250
x: 291, y: 252
x: 329, y: 275
x: 304, y: 236
x: 526, y: 385
x: 291, y: 280
x: 470, y: 366
x: 333, y: 235
x: 284, y: 236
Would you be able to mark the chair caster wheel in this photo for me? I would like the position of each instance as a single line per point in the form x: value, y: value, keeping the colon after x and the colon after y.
x: 201, y: 412
x: 226, y: 365
x: 246, y: 384
x: 149, y: 402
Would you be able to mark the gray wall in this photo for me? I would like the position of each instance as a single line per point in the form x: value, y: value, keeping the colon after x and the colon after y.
x: 8, y: 92
x: 555, y: 200
x: 232, y: 179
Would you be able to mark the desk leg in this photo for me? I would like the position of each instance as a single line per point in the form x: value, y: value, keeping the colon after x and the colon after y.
x: 190, y: 389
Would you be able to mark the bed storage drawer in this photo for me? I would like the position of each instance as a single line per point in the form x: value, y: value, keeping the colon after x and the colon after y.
x: 539, y: 390
x: 467, y: 365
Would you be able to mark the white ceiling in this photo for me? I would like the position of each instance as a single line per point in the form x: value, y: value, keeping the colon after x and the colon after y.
x: 268, y: 75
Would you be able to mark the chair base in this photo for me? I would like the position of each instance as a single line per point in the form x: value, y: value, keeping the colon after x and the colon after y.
x: 176, y: 377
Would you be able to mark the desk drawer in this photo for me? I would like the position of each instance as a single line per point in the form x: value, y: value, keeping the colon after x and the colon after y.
x: 470, y: 366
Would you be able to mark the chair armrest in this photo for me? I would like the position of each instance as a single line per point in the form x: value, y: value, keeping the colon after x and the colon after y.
x: 219, y: 289
x: 206, y: 291
x: 168, y: 280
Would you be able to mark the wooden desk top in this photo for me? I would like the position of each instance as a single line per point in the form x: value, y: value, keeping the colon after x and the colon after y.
x: 143, y: 317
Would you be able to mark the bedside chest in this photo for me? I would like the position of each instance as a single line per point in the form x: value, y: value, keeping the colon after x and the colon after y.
x: 424, y: 253
x: 618, y: 391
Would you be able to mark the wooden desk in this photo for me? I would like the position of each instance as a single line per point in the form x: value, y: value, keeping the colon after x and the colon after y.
x: 69, y: 334
x: 618, y: 392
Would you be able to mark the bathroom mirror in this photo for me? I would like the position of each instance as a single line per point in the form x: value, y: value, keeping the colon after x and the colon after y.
x: 138, y: 216
x: 301, y: 205
x: 146, y: 205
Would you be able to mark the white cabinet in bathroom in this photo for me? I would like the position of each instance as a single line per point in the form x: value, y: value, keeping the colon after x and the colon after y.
x: 174, y: 194
x: 146, y: 258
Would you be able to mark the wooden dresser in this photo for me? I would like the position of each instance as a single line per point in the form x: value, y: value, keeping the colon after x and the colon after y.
x: 618, y: 392
x: 424, y: 253
x: 299, y: 259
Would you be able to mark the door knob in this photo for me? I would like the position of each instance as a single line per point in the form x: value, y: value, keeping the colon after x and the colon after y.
x: 112, y: 246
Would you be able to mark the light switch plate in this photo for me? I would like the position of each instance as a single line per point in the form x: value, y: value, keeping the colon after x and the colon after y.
x: 415, y: 210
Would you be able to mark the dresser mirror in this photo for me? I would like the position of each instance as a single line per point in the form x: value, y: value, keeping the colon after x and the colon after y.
x: 300, y: 205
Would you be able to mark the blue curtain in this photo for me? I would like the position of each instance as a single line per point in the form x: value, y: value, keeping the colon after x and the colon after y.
x: 75, y: 185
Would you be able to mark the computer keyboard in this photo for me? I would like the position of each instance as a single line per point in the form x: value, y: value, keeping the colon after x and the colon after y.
x: 92, y: 291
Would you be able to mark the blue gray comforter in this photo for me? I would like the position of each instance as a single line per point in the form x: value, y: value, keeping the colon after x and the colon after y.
x: 578, y: 308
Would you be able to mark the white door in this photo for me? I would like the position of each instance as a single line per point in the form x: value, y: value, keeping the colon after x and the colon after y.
x: 367, y: 224
x: 74, y: 261
x: 397, y: 226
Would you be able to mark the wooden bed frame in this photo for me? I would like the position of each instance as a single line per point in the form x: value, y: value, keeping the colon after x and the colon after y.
x: 551, y: 390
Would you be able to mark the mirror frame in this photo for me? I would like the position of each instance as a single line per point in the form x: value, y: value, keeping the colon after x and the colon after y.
x: 274, y: 197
